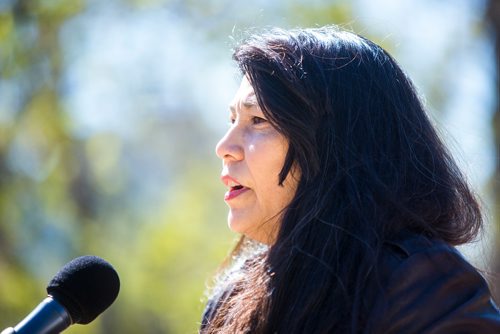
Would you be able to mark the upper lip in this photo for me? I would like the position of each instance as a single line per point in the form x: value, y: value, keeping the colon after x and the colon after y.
x: 230, y: 181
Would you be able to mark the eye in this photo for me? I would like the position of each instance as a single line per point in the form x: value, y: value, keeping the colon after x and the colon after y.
x: 258, y: 120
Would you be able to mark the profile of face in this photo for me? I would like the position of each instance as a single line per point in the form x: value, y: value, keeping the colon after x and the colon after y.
x: 253, y: 153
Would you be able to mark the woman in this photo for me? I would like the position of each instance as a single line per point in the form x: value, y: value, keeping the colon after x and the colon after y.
x: 347, y: 200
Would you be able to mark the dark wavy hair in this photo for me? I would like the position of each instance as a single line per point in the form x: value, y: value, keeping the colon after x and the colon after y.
x: 371, y: 164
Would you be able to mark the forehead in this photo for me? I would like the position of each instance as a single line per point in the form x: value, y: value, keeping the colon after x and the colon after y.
x: 244, y: 97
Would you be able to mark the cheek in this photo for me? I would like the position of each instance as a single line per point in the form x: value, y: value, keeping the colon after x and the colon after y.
x: 265, y: 161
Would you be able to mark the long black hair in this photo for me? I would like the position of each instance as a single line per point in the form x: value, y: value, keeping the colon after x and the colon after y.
x: 371, y: 166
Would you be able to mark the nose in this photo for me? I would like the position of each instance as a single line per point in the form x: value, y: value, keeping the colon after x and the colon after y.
x: 229, y: 147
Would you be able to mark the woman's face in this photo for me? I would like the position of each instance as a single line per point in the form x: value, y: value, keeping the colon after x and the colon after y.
x: 253, y: 153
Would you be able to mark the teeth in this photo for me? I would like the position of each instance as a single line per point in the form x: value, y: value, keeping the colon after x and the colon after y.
x: 233, y: 184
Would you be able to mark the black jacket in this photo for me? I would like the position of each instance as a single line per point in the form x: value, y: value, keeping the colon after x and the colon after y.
x: 428, y: 287
x: 431, y: 288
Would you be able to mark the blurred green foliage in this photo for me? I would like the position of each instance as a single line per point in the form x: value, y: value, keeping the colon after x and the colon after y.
x: 149, y: 202
x: 63, y: 196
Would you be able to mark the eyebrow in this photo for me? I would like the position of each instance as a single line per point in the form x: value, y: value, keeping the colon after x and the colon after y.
x: 250, y: 101
x: 232, y: 109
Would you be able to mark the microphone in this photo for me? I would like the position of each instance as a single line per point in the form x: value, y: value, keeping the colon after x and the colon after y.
x: 78, y: 293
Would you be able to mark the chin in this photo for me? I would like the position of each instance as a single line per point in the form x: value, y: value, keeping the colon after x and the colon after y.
x: 239, y: 223
x: 243, y: 226
x: 235, y: 224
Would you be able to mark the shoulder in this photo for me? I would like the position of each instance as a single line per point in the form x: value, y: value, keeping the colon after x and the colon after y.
x: 428, y: 286
x: 427, y: 257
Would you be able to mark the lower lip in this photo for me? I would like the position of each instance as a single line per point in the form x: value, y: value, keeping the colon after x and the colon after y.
x: 234, y: 193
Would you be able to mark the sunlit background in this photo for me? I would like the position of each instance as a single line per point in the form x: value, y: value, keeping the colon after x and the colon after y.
x: 110, y: 111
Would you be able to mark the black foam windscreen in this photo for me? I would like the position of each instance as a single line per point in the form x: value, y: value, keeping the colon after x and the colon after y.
x: 85, y: 286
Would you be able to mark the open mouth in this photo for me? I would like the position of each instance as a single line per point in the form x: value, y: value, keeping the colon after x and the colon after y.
x: 235, y: 191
